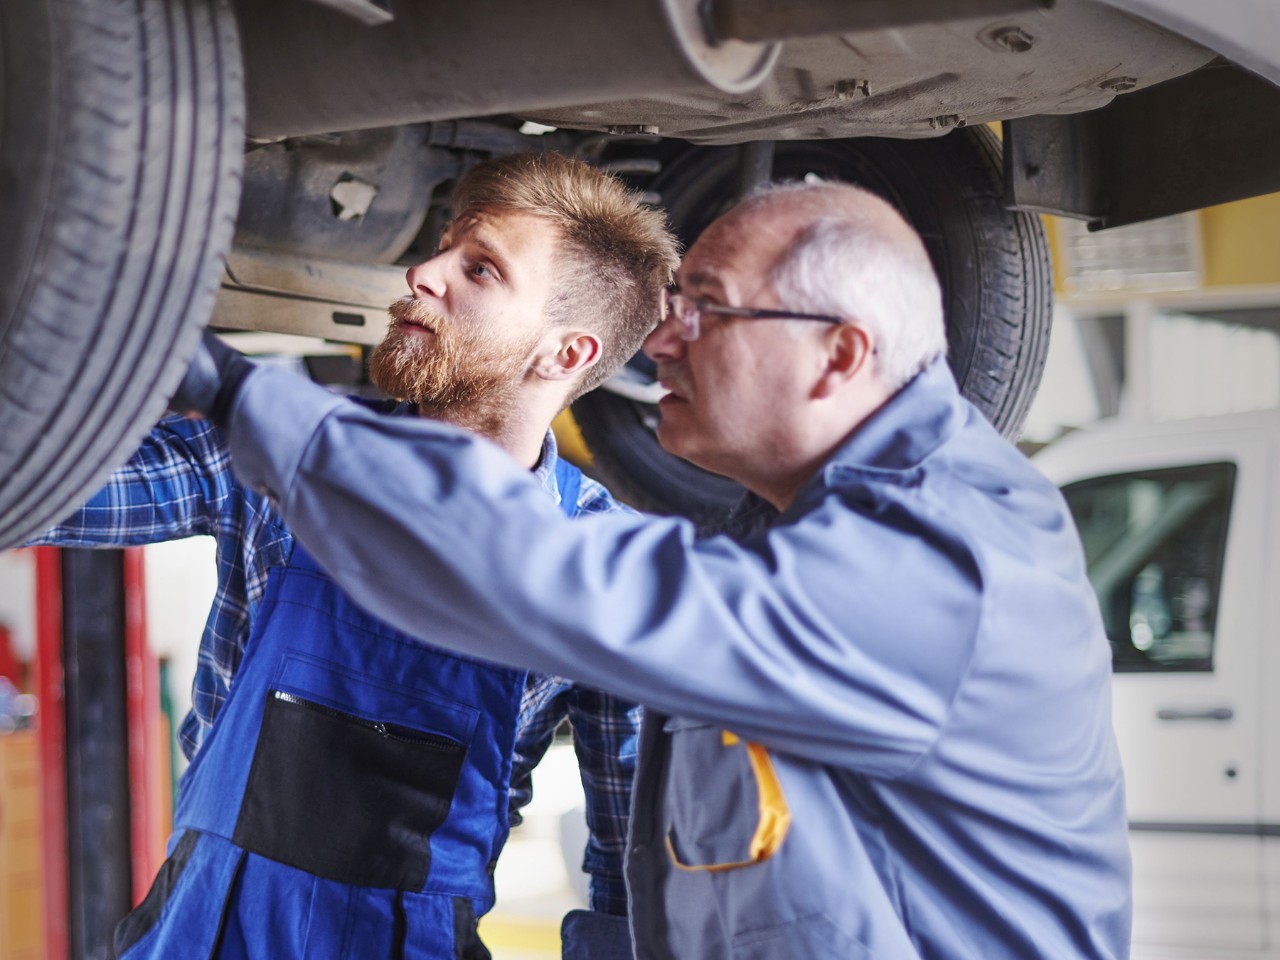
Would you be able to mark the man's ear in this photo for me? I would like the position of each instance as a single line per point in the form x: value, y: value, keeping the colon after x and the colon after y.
x: 568, y: 355
x: 849, y: 350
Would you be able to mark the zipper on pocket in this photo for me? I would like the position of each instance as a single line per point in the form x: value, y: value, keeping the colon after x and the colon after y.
x: 389, y: 730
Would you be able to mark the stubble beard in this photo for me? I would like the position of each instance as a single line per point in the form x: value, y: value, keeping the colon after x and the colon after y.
x: 463, y: 374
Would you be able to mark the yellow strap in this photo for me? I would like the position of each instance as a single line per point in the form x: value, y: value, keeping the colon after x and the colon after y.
x: 775, y: 815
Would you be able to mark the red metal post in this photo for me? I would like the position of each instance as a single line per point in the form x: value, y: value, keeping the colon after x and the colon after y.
x: 9, y: 665
x: 48, y: 686
x: 142, y: 708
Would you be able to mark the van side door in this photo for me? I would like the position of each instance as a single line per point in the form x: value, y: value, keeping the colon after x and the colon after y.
x: 1176, y: 546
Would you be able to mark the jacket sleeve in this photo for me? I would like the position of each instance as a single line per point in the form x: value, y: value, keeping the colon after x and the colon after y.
x: 799, y: 641
x: 172, y: 487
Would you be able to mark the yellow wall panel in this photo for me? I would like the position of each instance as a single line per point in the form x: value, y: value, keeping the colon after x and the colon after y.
x: 1242, y: 242
x: 21, y: 892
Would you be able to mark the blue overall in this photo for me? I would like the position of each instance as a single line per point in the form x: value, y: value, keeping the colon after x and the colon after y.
x: 351, y: 797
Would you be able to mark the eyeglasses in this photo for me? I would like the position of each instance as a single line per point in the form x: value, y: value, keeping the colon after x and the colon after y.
x: 685, y: 312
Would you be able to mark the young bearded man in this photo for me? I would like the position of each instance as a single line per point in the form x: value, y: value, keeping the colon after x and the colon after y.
x: 880, y: 718
x: 349, y: 785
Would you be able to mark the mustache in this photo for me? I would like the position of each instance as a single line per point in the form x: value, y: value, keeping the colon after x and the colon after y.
x: 409, y: 310
x: 675, y: 377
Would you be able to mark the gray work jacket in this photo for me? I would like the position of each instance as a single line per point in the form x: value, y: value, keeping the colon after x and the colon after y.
x: 895, y: 736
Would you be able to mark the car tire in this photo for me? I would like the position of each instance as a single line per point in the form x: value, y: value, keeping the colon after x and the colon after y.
x: 993, y: 264
x: 121, y: 142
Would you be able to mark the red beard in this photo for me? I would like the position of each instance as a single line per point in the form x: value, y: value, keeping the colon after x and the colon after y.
x: 461, y: 371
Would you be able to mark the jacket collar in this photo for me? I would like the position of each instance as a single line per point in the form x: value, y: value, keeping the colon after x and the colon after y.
x: 911, y: 425
x: 890, y: 445
x: 545, y: 470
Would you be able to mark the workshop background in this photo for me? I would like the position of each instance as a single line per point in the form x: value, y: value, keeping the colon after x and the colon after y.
x: 1168, y: 319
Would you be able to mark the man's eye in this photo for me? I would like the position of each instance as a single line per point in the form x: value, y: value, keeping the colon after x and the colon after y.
x: 481, y: 270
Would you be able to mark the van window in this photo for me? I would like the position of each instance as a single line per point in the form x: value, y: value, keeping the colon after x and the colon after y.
x: 1154, y: 542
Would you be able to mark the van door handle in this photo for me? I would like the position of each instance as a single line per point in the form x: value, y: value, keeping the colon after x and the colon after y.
x: 1213, y: 713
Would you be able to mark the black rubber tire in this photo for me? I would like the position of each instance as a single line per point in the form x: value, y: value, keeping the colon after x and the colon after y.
x: 621, y: 435
x: 121, y: 143
x: 994, y: 266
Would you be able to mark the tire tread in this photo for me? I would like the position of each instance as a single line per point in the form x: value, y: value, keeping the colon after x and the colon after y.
x: 140, y: 194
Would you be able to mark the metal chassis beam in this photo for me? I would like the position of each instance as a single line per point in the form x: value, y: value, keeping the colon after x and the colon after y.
x: 343, y: 302
x: 1210, y: 137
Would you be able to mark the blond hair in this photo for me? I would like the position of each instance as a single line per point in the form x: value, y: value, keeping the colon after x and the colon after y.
x: 617, y: 253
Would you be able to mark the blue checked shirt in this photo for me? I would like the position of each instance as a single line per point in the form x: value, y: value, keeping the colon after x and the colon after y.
x: 179, y: 484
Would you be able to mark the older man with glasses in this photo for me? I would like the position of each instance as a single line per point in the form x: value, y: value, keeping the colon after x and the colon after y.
x: 879, y: 718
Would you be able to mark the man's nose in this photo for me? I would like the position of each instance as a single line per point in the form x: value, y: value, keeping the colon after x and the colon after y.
x: 664, y: 343
x: 426, y: 279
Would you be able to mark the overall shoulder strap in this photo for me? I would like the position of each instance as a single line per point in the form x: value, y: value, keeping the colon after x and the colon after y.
x: 569, y: 479
x: 299, y: 559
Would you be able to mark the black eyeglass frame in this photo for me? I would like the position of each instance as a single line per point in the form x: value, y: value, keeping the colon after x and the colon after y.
x: 691, y: 331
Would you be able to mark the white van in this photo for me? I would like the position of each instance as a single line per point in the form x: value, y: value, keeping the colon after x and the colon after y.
x: 1181, y: 537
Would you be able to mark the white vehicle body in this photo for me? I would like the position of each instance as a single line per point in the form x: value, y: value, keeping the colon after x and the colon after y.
x: 1182, y: 540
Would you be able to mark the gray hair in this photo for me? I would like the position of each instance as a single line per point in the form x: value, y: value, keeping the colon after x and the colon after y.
x: 851, y: 266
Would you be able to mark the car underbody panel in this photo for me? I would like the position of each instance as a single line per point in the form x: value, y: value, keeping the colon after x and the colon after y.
x: 907, y: 69
x: 919, y: 80
x: 1243, y: 31
x: 1118, y: 110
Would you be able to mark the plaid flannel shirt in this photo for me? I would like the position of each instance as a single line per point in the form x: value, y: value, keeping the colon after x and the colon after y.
x: 179, y: 484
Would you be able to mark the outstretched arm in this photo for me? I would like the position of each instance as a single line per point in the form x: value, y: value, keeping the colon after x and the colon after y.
x: 753, y: 638
x: 172, y: 487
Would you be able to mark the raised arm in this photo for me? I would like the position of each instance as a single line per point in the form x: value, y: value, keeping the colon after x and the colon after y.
x: 174, y: 486
x: 754, y: 638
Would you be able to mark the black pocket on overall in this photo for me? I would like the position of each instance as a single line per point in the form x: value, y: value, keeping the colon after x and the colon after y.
x: 344, y: 797
x: 140, y: 921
